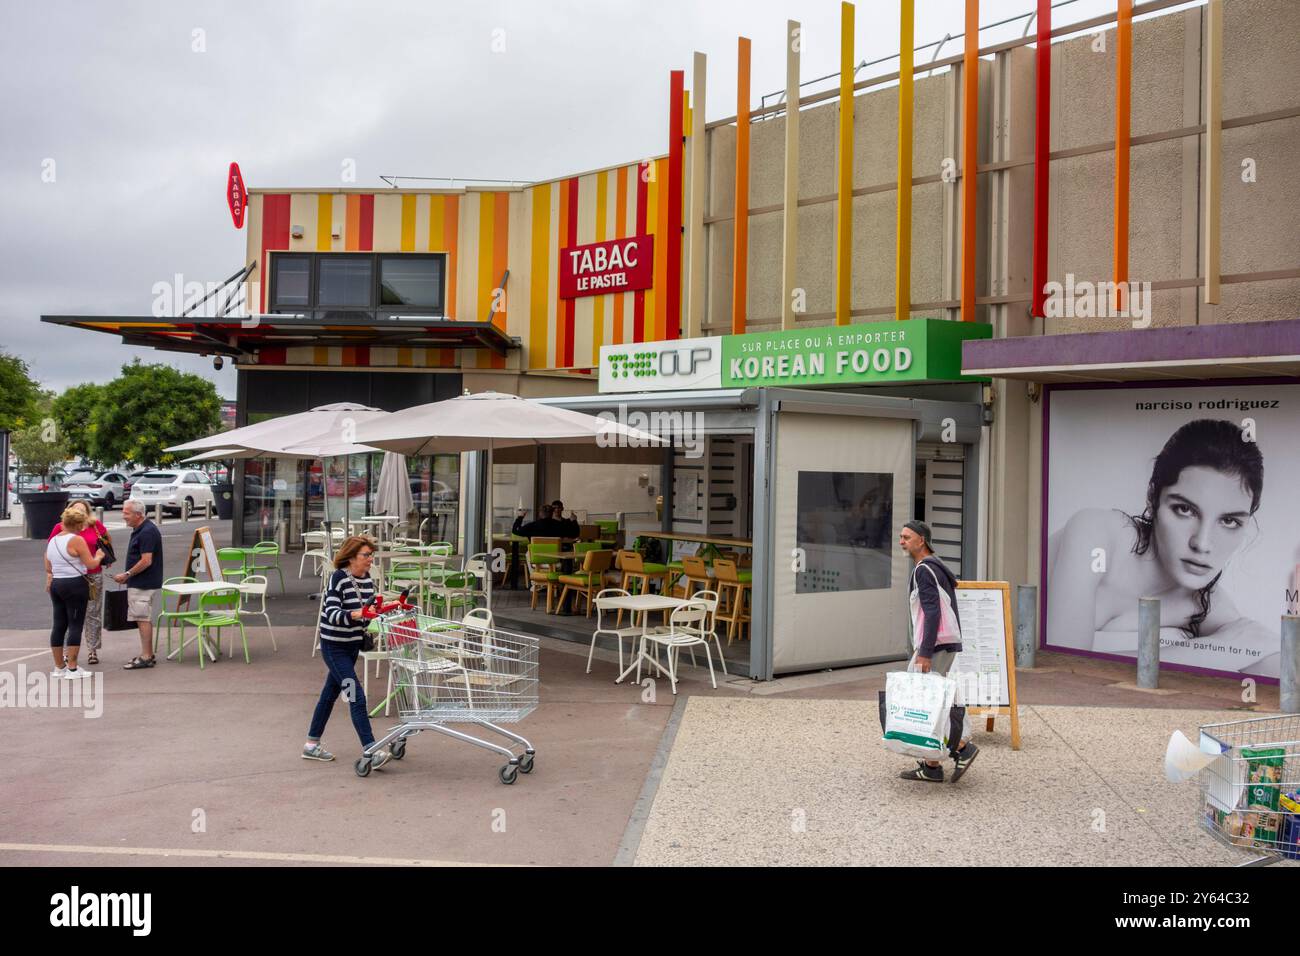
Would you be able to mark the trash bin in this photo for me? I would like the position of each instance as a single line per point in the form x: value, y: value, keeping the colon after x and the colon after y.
x: 224, y: 492
x: 41, y: 512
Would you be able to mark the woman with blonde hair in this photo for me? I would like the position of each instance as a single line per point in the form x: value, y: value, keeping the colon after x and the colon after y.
x: 342, y: 629
x: 68, y: 563
x: 92, y: 534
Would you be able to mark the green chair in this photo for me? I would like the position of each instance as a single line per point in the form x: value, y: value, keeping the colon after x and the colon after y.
x: 174, y: 615
x: 455, y: 593
x: 264, y: 550
x: 232, y: 554
x: 218, y: 609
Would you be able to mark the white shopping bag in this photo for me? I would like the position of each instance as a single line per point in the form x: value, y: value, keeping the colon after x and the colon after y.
x: 917, y: 714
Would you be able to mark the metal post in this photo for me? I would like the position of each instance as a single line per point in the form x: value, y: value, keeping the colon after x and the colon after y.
x: 1148, y: 643
x: 207, y: 510
x: 158, y: 514
x: 1290, y: 683
x: 1026, y: 624
x: 99, y: 514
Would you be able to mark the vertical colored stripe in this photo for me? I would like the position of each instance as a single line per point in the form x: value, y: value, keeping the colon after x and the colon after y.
x: 500, y: 260
x: 790, y: 199
x: 598, y: 302
x: 538, y: 285
x: 1123, y: 99
x: 352, y: 223
x: 562, y: 242
x: 366, y: 226
x: 486, y: 226
x: 571, y: 224
x: 275, y: 235
x: 662, y: 249
x: 324, y: 222
x: 969, y: 157
x: 451, y: 225
x: 1212, y: 170
x: 408, y: 224
x: 437, y: 232
x: 620, y: 231
x: 698, y: 179
x: 844, y: 174
x: 643, y: 171
x: 673, y: 210
x: 740, y: 247
x: 903, y: 240
x: 1042, y: 152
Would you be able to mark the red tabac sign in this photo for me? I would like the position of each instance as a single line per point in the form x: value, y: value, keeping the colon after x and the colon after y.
x: 619, y: 265
x: 236, y: 195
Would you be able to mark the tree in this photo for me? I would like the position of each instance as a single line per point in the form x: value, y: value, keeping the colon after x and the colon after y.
x: 146, y: 409
x: 74, y: 412
x: 19, y: 393
x: 39, y: 448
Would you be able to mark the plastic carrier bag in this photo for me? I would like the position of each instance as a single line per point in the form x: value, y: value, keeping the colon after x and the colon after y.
x: 917, y: 714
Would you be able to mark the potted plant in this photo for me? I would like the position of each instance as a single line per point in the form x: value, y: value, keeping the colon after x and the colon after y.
x: 40, y: 449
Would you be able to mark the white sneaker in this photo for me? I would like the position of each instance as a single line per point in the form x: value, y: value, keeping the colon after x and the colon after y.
x: 58, y: 672
x: 74, y: 674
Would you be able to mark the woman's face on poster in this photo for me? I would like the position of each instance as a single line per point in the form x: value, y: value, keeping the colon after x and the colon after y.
x: 1200, y: 523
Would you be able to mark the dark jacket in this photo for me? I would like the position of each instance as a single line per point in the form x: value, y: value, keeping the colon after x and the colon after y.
x: 545, y: 528
x: 923, y: 582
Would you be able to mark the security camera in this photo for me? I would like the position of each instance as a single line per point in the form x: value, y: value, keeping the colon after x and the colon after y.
x: 218, y: 362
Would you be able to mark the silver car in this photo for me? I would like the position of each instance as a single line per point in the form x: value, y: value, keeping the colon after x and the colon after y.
x: 106, y: 489
x: 175, y: 490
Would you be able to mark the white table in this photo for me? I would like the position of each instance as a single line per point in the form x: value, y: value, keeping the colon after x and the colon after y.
x: 195, y: 588
x: 644, y: 603
x: 384, y: 522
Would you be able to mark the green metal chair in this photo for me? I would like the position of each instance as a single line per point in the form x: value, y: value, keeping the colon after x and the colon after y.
x: 174, y: 615
x: 262, y: 550
x: 217, y: 609
x: 232, y: 554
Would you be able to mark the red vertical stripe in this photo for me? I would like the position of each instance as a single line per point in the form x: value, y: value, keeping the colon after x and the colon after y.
x: 367, y: 222
x: 572, y: 241
x: 673, y: 241
x: 1042, y: 150
x: 275, y: 355
x: 363, y: 355
x: 638, y: 297
x: 275, y: 235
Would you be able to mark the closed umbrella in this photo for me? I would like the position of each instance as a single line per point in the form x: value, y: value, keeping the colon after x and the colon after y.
x: 491, y: 420
x: 394, y: 496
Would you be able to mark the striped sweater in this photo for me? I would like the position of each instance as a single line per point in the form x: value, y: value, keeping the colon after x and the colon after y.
x: 344, y: 595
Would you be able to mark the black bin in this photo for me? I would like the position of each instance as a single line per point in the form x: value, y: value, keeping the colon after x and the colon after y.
x: 224, y: 492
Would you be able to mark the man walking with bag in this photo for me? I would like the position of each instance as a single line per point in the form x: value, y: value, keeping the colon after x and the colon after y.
x: 937, y: 641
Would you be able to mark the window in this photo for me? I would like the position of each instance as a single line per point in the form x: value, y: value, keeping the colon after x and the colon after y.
x: 844, y: 529
x: 335, y: 281
x: 191, y: 479
x: 344, y: 281
x: 410, y: 281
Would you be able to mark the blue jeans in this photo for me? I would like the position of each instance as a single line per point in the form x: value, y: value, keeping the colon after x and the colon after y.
x: 341, y: 660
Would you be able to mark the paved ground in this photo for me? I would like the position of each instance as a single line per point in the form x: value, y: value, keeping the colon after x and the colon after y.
x: 200, y: 767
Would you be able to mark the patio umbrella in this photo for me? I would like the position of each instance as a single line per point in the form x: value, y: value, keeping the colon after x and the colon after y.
x: 487, y: 421
x: 394, y: 497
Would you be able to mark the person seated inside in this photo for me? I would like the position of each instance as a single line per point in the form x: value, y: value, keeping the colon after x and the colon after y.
x: 572, y: 528
x: 546, y: 526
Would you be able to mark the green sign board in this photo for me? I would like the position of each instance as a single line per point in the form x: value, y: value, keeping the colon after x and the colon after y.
x: 873, y: 353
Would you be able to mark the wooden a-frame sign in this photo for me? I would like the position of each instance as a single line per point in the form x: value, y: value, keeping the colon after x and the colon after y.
x: 987, y: 635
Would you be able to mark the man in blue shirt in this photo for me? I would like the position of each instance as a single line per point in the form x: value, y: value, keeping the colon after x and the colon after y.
x: 144, y: 572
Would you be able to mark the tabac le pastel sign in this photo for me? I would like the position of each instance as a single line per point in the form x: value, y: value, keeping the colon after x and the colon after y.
x: 600, y: 268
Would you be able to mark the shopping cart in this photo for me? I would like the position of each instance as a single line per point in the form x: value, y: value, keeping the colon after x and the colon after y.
x: 457, y: 672
x: 1251, y: 791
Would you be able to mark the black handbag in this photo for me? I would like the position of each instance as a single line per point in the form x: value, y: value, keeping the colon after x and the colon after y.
x: 115, y: 612
x: 110, y: 556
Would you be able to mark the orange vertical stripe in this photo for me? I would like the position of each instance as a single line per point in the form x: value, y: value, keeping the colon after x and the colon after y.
x: 598, y: 305
x: 352, y: 225
x: 620, y: 232
x: 500, y: 258
x: 539, y: 275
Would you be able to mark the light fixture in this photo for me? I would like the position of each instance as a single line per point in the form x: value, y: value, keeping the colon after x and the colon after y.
x: 296, y: 232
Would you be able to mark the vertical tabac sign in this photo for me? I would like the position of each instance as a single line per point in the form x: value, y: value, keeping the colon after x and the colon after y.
x: 236, y: 196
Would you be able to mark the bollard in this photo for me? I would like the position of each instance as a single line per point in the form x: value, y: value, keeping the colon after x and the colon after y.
x: 1290, y: 683
x: 1148, y: 643
x: 157, y: 515
x: 1026, y: 624
x: 207, y: 510
x: 99, y: 514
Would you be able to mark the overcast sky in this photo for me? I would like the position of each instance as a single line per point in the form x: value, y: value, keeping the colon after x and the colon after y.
x: 142, y: 116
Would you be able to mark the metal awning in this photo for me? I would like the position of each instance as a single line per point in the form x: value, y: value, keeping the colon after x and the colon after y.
x: 1240, y: 350
x: 234, y: 336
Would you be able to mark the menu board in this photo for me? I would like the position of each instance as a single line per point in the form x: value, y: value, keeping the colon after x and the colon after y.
x: 985, y: 611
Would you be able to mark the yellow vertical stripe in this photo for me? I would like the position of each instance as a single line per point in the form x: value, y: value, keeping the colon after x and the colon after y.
x: 539, y: 290
x: 598, y: 304
x: 408, y: 224
x: 324, y: 222
x: 652, y: 228
x: 661, y: 262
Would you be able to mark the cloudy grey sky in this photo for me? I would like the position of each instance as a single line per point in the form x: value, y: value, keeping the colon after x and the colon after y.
x: 142, y: 126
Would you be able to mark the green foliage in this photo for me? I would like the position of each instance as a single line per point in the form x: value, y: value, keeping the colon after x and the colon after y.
x: 19, y: 394
x: 74, y: 412
x: 147, y: 408
x: 39, y: 447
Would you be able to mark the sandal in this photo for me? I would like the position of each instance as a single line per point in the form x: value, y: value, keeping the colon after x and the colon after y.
x: 138, y: 663
x: 92, y: 658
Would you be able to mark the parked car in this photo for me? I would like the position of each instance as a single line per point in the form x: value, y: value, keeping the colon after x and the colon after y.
x: 106, y: 489
x: 29, y: 482
x: 132, y: 478
x: 173, y: 489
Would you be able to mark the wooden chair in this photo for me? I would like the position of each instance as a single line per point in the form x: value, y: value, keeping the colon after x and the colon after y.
x: 588, y: 532
x: 694, y: 573
x: 589, y: 580
x: 636, y: 569
x: 734, y: 596
x: 542, y: 575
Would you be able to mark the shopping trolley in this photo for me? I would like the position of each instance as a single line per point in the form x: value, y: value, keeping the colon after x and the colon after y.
x: 1251, y: 791
x: 457, y: 672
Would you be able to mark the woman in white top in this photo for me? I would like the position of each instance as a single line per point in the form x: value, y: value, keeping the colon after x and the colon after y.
x: 67, y: 561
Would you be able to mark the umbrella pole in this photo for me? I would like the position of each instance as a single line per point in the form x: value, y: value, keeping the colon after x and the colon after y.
x: 490, y: 556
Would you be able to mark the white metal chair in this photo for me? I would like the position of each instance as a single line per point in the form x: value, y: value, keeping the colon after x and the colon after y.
x: 687, y: 626
x: 318, y: 547
x: 618, y: 633
x: 254, y: 586
x: 708, y: 628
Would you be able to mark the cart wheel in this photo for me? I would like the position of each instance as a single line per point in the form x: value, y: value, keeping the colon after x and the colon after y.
x: 508, y: 773
x: 362, y: 766
x: 398, y: 749
x: 526, y: 763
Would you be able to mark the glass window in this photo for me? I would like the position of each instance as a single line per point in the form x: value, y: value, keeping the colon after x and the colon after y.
x: 411, y: 281
x: 845, y: 527
x: 292, y: 281
x: 343, y: 282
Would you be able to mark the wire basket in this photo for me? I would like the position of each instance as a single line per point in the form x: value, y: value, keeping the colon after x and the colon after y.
x: 1251, y: 791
